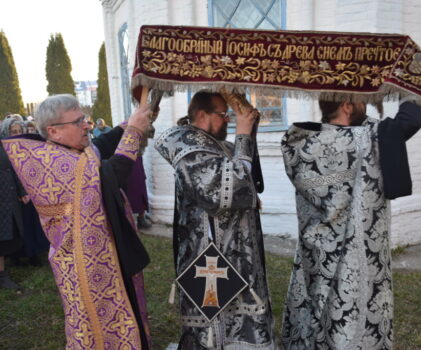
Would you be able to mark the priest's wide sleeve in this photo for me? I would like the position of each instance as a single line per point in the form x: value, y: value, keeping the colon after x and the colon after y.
x: 392, y: 134
x: 125, y: 155
x: 216, y: 183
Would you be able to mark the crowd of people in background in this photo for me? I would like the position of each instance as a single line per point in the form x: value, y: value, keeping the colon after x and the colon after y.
x: 22, y: 240
x: 21, y: 235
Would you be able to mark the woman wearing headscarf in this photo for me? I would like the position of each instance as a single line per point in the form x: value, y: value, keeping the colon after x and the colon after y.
x: 11, y: 195
x: 34, y: 240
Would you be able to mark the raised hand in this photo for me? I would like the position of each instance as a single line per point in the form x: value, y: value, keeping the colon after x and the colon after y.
x: 246, y: 119
x: 140, y: 118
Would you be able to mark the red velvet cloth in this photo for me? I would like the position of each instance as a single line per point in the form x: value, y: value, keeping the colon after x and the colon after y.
x: 366, y: 65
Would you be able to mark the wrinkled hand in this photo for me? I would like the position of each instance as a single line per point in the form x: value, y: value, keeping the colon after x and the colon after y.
x: 140, y: 118
x: 245, y: 119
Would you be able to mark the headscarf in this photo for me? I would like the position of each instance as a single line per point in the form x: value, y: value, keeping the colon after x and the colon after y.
x: 6, y: 125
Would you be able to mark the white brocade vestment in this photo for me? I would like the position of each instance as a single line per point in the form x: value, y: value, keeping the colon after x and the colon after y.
x: 340, y: 293
x: 213, y: 181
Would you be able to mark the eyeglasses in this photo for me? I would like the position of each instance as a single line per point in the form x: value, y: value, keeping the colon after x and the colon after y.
x: 78, y: 122
x: 224, y: 115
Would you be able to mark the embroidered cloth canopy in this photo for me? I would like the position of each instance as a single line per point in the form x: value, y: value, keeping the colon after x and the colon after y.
x: 332, y: 65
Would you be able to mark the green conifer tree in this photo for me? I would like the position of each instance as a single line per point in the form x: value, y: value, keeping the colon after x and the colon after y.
x: 58, y: 67
x: 10, y: 94
x: 102, y: 106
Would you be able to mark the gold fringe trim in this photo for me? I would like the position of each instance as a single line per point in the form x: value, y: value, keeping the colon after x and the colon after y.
x: 387, y: 92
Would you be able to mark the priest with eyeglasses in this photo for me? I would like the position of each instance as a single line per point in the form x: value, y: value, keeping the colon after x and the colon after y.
x: 95, y: 254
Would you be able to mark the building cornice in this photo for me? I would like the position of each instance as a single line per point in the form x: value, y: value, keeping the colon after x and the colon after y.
x: 111, y: 4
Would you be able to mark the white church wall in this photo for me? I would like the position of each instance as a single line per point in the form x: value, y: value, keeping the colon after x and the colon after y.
x: 412, y: 25
x: 406, y: 218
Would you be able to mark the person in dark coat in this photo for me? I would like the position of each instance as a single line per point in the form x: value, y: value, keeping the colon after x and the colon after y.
x: 11, y: 224
x: 101, y: 127
x: 34, y: 240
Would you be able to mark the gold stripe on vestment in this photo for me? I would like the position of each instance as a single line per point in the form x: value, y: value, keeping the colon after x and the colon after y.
x: 123, y: 287
x: 80, y: 267
x: 55, y: 210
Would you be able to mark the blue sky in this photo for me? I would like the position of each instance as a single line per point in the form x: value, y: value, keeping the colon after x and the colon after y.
x: 28, y: 25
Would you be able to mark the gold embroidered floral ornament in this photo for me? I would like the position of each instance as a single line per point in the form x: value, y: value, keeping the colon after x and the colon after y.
x: 330, y: 65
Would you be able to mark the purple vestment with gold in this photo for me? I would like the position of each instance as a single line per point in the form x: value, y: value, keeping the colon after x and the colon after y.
x: 65, y: 187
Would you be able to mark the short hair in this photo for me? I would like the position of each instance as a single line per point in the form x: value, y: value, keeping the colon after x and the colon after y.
x: 329, y: 110
x: 51, y: 109
x: 100, y: 120
x: 201, y: 101
x: 30, y: 123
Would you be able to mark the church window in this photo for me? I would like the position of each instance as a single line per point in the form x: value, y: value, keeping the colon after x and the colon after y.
x: 255, y: 14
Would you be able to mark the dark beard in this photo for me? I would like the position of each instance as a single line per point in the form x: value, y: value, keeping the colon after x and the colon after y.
x: 357, y: 118
x: 221, y: 135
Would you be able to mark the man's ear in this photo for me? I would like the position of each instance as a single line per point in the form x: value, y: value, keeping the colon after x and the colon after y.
x: 52, y: 133
x: 200, y: 115
x: 201, y: 120
x: 347, y: 107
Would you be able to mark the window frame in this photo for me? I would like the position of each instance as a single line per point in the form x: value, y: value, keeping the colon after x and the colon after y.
x: 124, y: 70
x: 273, y: 126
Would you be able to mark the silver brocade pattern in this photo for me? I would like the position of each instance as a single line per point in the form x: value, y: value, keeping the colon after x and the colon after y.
x: 340, y: 293
x: 212, y: 179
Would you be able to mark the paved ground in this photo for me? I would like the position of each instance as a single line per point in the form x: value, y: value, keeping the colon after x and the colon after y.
x: 409, y: 259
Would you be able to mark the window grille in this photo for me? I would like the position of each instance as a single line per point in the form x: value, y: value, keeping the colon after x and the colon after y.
x: 255, y: 14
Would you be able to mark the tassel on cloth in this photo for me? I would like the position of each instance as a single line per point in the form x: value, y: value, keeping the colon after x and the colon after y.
x: 256, y: 297
x: 209, y: 343
x: 172, y: 294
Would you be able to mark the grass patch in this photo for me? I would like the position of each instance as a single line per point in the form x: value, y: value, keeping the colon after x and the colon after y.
x: 34, y: 319
x: 399, y: 250
x: 407, y: 287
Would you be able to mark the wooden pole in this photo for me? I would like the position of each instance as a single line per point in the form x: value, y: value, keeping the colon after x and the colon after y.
x: 144, y: 96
